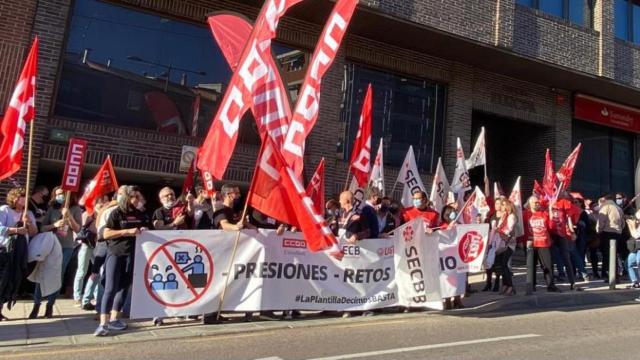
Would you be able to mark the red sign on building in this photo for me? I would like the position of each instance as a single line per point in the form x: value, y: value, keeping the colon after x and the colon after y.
x: 606, y: 113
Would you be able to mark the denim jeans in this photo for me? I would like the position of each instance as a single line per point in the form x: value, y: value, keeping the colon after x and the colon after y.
x: 84, y: 260
x: 51, y: 299
x: 632, y: 260
x: 576, y: 258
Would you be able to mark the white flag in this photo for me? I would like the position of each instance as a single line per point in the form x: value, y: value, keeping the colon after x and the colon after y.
x: 358, y: 194
x: 479, y: 155
x: 440, y: 188
x: 475, y: 205
x: 516, y: 199
x: 496, y: 191
x: 461, y: 181
x: 376, y: 178
x: 409, y: 178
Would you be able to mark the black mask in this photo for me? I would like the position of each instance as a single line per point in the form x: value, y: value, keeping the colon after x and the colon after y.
x: 394, y: 210
x: 384, y: 208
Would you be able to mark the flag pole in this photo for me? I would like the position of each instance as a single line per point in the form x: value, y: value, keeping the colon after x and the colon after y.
x: 346, y: 181
x: 29, y: 161
x: 237, y: 240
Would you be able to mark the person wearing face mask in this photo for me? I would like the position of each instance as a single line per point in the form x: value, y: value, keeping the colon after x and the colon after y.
x: 448, y: 218
x: 63, y: 222
x: 332, y: 215
x: 38, y: 203
x: 421, y: 208
x: 124, y: 223
x: 537, y: 226
x: 370, y: 209
x: 386, y: 221
x: 226, y: 218
x: 171, y: 215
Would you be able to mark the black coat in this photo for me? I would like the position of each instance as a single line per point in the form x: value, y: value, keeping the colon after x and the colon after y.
x: 13, y: 269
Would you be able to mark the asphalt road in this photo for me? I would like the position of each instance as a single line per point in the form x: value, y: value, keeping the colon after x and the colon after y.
x: 586, y: 333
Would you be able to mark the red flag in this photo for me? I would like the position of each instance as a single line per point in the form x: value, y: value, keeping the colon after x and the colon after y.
x: 74, y: 164
x: 270, y: 105
x: 248, y: 82
x: 103, y: 183
x: 307, y: 107
x: 189, y: 180
x: 361, y: 155
x: 276, y: 192
x: 21, y: 110
x: 566, y: 170
x: 315, y: 188
x: 538, y: 190
x: 550, y: 181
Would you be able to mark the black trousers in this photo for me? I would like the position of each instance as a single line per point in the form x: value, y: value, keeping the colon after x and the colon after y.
x: 563, y: 246
x: 544, y: 254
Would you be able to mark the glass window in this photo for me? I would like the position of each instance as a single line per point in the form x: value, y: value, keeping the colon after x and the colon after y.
x: 621, y: 16
x: 635, y: 21
x: 611, y: 160
x: 577, y: 10
x: 131, y: 68
x: 553, y: 7
x: 525, y: 2
x: 405, y: 112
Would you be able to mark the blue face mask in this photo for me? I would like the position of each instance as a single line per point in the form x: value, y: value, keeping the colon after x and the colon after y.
x: 453, y: 215
x: 119, y: 198
x: 60, y: 199
x: 417, y: 202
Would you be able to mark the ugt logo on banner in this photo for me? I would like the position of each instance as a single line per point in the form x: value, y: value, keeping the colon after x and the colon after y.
x: 179, y: 272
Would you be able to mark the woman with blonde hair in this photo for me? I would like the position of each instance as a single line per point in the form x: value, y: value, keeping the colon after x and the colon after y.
x: 503, y: 224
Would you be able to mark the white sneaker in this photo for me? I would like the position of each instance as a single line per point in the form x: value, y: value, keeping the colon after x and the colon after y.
x: 102, y: 330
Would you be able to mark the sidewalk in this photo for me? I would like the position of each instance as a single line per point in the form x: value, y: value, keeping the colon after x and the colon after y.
x: 73, y: 326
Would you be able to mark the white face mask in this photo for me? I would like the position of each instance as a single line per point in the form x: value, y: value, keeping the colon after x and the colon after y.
x: 168, y: 205
x: 620, y: 202
x: 638, y: 215
x: 140, y: 206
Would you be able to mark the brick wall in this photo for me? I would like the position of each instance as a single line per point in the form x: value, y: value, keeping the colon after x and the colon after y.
x: 627, y: 63
x: 555, y: 40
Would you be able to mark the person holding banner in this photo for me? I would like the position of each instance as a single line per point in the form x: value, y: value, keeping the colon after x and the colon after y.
x: 353, y: 226
x: 422, y: 207
x: 124, y: 223
x: 537, y: 226
x: 63, y: 222
x: 386, y: 221
x: 503, y: 225
x: 448, y: 217
x: 370, y: 210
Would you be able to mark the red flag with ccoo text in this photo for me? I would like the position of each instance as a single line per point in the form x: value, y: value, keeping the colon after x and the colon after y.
x: 21, y: 110
x: 360, y: 164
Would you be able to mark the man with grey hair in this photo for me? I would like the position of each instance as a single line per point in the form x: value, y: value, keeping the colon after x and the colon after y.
x: 171, y: 215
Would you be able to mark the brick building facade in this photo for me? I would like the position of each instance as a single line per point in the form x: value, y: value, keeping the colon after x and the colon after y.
x: 510, y: 67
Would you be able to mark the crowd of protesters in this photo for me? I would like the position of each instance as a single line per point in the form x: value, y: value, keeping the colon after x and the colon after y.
x: 565, y: 233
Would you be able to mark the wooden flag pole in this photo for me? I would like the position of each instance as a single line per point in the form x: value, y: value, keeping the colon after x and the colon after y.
x: 237, y: 240
x: 346, y: 182
x: 29, y: 161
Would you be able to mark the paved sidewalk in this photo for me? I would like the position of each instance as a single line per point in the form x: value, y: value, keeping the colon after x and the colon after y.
x: 73, y: 326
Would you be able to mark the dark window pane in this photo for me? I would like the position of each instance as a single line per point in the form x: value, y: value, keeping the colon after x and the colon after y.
x: 636, y: 23
x: 405, y: 112
x: 525, y: 2
x: 621, y: 16
x: 553, y: 7
x: 609, y: 167
x: 577, y: 10
x: 135, y: 69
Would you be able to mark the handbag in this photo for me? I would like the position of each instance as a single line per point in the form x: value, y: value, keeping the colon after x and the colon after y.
x: 85, y: 235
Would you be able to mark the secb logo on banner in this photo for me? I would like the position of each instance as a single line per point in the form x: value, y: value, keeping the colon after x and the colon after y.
x: 178, y: 272
x: 470, y: 247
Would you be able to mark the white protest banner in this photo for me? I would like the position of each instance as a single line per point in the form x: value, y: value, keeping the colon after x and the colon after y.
x: 417, y: 268
x: 440, y: 188
x: 462, y: 250
x: 179, y: 273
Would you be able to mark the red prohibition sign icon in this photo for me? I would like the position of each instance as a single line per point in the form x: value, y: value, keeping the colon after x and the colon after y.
x: 162, y: 249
